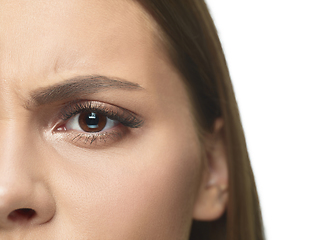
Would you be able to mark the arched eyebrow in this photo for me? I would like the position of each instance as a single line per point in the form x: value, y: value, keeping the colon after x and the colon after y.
x: 77, y: 87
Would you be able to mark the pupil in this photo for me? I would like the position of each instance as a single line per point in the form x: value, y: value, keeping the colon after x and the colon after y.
x: 92, y: 120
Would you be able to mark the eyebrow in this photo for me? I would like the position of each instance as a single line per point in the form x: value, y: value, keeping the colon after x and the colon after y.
x: 79, y: 86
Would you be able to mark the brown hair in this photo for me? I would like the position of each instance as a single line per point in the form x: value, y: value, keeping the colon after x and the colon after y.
x: 194, y: 47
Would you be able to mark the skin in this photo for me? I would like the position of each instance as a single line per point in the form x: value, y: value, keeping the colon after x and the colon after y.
x: 142, y: 183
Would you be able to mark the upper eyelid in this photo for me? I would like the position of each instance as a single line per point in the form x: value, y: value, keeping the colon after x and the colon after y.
x: 73, y: 108
x: 81, y: 105
x: 67, y: 109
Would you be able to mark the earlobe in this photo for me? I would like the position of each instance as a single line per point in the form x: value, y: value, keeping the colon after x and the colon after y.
x: 212, y: 197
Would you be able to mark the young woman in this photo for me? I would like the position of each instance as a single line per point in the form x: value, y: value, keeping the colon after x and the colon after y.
x: 118, y: 121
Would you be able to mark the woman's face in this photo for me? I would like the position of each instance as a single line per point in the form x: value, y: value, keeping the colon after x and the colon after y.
x: 97, y: 136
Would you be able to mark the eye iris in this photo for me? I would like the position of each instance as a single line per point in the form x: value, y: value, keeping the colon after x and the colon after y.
x: 92, y: 122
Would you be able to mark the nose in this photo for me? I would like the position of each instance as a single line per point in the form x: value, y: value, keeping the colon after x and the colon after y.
x: 23, y: 202
x: 25, y: 198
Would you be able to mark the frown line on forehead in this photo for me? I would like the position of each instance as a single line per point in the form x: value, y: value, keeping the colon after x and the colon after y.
x: 78, y: 86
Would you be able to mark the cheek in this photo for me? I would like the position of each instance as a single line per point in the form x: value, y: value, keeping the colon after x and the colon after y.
x: 146, y: 191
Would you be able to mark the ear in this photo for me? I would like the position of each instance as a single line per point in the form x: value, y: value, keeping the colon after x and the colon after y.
x: 212, y: 198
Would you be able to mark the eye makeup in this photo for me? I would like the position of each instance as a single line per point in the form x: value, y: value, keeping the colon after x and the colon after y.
x: 87, y: 122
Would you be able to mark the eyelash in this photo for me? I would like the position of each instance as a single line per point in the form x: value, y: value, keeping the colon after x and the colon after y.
x: 125, y: 117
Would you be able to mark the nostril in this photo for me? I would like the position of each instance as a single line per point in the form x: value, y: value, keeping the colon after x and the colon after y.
x: 22, y: 214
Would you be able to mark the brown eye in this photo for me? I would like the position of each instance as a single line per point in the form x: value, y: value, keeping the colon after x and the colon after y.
x: 89, y: 121
x: 92, y: 122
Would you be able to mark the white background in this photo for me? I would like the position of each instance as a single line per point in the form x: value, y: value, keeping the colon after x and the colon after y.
x: 272, y: 49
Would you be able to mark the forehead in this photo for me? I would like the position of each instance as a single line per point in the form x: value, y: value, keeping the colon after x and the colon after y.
x: 40, y: 38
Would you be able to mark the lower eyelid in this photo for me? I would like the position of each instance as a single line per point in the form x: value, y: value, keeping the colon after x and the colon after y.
x: 93, y: 140
x: 97, y: 140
